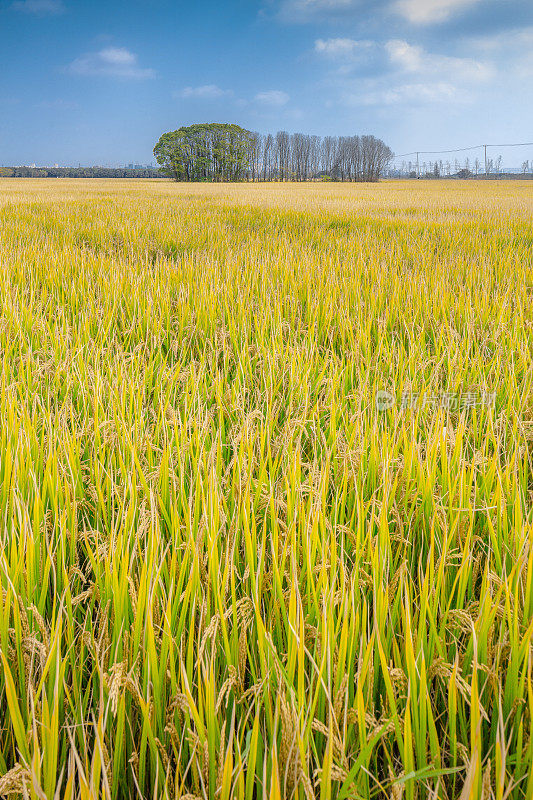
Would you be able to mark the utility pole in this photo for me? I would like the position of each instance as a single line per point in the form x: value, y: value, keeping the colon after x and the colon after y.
x: 417, y: 167
x: 485, y: 147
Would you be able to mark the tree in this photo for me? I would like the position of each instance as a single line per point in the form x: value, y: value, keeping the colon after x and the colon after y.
x: 208, y: 152
x: 268, y: 149
x: 282, y: 149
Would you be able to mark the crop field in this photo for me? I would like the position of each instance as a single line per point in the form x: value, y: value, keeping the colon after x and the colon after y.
x: 266, y: 490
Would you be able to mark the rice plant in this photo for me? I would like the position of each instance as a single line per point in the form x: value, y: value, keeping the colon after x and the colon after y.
x: 227, y: 568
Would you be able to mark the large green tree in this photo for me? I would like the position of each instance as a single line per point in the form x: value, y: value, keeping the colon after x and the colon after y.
x: 211, y: 151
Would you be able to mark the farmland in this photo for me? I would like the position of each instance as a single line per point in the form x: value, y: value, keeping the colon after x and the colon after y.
x: 266, y: 490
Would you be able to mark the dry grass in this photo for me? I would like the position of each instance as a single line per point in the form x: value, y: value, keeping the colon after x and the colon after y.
x: 224, y: 572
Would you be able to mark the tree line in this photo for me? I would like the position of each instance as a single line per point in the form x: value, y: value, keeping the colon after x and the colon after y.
x: 456, y: 169
x: 77, y: 172
x: 223, y: 152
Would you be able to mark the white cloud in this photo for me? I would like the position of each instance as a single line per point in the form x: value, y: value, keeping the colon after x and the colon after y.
x: 273, y: 97
x: 114, y: 62
x: 322, y: 5
x: 406, y: 94
x: 301, y: 10
x: 342, y: 48
x: 412, y: 58
x: 41, y: 8
x: 58, y: 105
x: 405, y: 55
x: 423, y: 12
x: 207, y: 92
x: 514, y: 48
x: 410, y: 76
x: 517, y: 40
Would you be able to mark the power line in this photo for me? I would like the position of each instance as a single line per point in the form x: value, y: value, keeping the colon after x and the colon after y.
x: 461, y: 149
x: 437, y: 152
x: 519, y: 144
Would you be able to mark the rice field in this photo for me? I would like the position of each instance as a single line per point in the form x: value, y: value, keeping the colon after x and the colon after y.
x: 266, y: 490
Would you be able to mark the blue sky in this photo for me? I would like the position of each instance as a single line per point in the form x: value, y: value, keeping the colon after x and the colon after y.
x: 97, y: 82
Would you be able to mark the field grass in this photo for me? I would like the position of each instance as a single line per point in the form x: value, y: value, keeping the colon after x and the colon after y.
x: 225, y: 572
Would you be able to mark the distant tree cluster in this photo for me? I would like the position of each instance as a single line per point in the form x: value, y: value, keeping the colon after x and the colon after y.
x: 220, y: 152
x: 207, y: 152
x: 77, y: 172
x: 492, y: 169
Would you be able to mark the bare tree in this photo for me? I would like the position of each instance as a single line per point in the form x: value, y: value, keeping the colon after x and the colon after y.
x: 283, y: 155
x: 268, y: 151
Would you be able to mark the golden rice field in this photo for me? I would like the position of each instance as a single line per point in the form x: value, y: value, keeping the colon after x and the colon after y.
x: 225, y: 571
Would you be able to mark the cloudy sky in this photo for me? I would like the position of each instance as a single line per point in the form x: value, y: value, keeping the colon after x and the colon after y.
x: 97, y: 82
